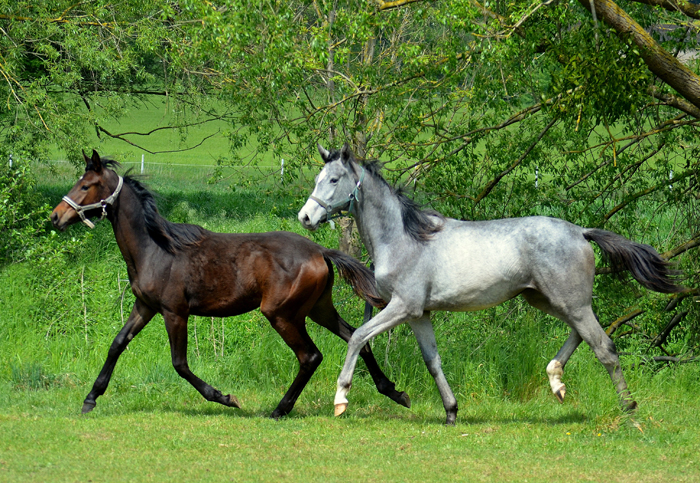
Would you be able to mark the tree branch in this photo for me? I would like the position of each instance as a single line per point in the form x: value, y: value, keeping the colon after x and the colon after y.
x: 621, y: 320
x: 640, y: 194
x: 492, y: 184
x: 692, y: 243
x: 685, y: 7
x: 660, y: 339
x: 119, y: 136
x: 674, y: 101
x: 664, y: 65
x: 395, y: 4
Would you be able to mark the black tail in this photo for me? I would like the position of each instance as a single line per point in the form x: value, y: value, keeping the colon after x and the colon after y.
x: 645, y: 263
x: 360, y: 278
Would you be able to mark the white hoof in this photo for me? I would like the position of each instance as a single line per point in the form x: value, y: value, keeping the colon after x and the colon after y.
x: 340, y: 408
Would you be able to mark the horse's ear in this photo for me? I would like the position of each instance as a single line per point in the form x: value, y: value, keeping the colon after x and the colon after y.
x: 93, y: 163
x: 88, y: 161
x: 323, y: 152
x: 345, y: 153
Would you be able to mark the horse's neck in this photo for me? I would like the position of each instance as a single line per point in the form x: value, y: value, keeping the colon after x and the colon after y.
x: 378, y: 216
x: 130, y: 232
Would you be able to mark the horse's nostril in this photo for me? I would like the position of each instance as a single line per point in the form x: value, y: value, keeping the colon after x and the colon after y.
x: 54, y: 218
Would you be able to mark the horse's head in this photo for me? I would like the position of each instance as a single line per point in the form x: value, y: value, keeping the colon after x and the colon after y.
x: 337, y: 187
x: 90, y: 196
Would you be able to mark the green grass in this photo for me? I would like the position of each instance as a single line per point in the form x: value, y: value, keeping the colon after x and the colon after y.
x: 165, y: 431
x: 153, y: 426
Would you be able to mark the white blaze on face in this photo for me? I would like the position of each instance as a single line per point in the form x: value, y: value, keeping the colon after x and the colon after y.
x: 311, y: 213
x: 321, y: 176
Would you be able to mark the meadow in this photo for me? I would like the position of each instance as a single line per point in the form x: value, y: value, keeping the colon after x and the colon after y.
x: 61, y: 312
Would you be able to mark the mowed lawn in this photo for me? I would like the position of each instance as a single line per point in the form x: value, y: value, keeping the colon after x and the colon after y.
x: 168, y: 432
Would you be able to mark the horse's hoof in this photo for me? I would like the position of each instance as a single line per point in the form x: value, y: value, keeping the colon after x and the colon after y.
x: 88, y: 406
x: 232, y: 401
x: 561, y: 392
x: 340, y: 408
x: 404, y: 400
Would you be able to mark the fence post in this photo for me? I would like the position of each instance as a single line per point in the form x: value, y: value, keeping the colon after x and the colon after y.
x: 10, y: 160
x: 142, y: 164
x: 537, y: 176
x: 282, y: 171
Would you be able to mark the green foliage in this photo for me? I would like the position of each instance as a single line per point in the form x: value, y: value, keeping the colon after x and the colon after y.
x: 23, y: 214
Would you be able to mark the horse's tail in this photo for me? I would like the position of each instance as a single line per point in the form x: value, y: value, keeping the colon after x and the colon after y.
x: 360, y: 278
x: 645, y: 263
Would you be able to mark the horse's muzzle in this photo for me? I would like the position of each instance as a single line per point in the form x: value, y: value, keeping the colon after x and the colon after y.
x: 56, y: 216
x: 306, y: 222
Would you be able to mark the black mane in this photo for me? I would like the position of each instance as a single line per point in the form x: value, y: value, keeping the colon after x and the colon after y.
x: 418, y: 223
x: 171, y: 237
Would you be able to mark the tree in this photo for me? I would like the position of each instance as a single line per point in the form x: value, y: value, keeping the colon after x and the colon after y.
x: 520, y: 108
x: 583, y: 110
x: 69, y: 67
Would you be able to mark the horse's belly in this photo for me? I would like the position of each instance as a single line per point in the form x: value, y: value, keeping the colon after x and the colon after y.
x: 477, y: 287
x: 478, y: 298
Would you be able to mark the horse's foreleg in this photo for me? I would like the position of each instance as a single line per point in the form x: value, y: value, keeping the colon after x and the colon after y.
x: 393, y: 315
x: 139, y: 317
x: 308, y: 355
x: 176, y: 325
x: 555, y: 369
x: 423, y: 330
x: 326, y: 316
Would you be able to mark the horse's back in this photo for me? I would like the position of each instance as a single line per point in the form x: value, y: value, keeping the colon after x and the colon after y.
x: 235, y: 272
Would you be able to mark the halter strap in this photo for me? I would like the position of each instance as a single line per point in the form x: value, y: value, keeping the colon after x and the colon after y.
x: 80, y: 209
x: 329, y: 207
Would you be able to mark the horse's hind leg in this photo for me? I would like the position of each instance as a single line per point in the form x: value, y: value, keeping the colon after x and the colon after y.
x: 555, y: 369
x: 139, y: 317
x: 587, y: 325
x: 423, y: 330
x: 176, y: 325
x: 325, y: 315
x: 296, y: 337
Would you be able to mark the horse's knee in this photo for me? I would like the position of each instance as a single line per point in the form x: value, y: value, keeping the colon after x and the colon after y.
x: 311, y: 361
x: 181, y: 368
x: 606, y: 353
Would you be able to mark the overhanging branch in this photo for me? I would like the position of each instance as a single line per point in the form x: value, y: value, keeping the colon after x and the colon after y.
x: 659, y: 61
x: 692, y: 10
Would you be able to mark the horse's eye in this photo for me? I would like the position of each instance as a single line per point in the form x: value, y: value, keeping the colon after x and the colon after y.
x: 84, y: 188
x: 334, y: 180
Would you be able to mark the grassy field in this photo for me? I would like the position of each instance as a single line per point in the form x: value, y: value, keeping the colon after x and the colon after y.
x: 165, y: 432
x: 60, y: 314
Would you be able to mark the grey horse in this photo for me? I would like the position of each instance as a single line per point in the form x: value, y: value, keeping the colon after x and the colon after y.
x: 425, y: 261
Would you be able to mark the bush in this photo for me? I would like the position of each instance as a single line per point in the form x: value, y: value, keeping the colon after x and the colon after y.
x: 23, y: 216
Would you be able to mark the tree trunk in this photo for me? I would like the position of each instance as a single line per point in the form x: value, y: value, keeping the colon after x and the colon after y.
x: 658, y: 60
x: 349, y: 238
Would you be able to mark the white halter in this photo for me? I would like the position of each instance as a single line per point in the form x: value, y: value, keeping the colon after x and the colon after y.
x: 101, y: 204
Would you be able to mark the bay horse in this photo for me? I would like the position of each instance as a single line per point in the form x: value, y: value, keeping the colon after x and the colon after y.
x: 179, y: 270
x: 425, y: 261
